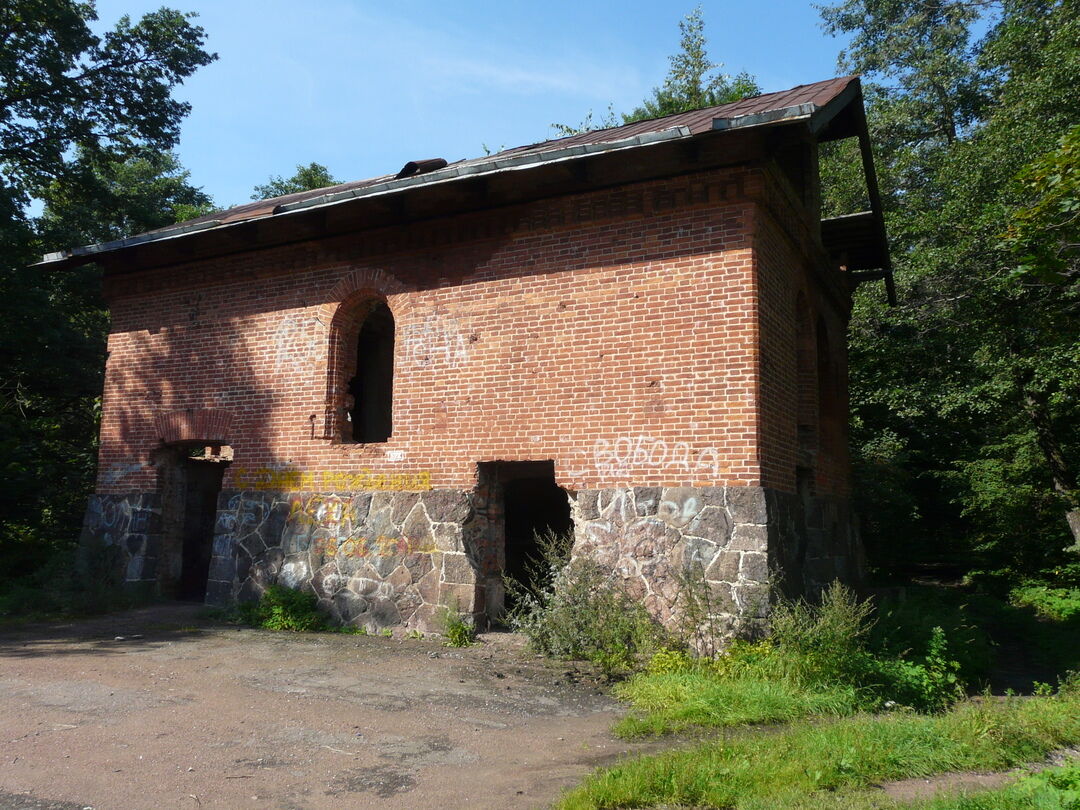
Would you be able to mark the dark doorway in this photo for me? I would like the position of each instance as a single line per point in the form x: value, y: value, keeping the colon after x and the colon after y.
x: 190, y: 486
x: 527, y: 503
x: 372, y: 388
x: 200, y: 514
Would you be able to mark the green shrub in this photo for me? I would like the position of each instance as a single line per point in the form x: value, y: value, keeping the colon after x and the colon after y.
x: 85, y: 580
x: 577, y: 609
x: 1059, y: 604
x: 903, y: 629
x: 282, y: 608
x: 459, y: 630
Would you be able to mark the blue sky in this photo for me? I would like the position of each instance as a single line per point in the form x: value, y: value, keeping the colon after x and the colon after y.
x: 363, y: 87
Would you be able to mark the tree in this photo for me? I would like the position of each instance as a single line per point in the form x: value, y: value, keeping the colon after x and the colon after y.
x: 307, y: 178
x: 693, y: 81
x: 63, y: 86
x: 115, y: 199
x: 83, y: 122
x: 972, y: 379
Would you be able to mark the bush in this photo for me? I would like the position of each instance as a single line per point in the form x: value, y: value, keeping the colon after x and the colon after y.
x: 1058, y: 604
x: 459, y: 630
x: 282, y: 608
x: 832, y: 643
x: 904, y: 629
x: 574, y: 608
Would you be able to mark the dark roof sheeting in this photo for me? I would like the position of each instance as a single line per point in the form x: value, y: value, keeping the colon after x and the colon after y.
x: 769, y: 107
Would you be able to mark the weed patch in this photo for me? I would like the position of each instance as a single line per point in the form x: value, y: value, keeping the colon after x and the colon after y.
x: 459, y: 631
x: 576, y: 609
x: 282, y: 608
x: 811, y: 762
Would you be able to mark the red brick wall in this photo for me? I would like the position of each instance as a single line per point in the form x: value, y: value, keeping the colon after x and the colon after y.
x: 613, y: 332
x: 788, y: 264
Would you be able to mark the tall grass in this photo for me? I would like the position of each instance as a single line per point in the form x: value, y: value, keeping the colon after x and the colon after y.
x: 813, y: 760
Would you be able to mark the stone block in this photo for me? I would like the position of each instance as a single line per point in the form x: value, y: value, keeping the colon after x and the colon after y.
x: 588, y: 507
x: 749, y: 537
x: 747, y: 504
x: 218, y: 594
x: 418, y: 565
x: 457, y: 569
x: 754, y: 567
x: 647, y: 500
x: 712, y: 523
x: 448, y: 537
x: 227, y: 568
x: 295, y: 572
x: 753, y: 600
x: 400, y: 578
x: 695, y: 552
x: 447, y: 506
x: 349, y: 606
x: 402, y: 504
x: 724, y: 568
x: 461, y: 597
x: 679, y: 505
x: 416, y: 529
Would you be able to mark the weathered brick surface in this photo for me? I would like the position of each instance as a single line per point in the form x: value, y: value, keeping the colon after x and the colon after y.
x: 623, y: 349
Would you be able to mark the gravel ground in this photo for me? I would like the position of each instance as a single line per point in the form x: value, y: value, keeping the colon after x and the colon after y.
x: 154, y: 708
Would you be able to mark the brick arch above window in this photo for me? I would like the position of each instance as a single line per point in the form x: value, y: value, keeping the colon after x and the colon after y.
x: 355, y: 281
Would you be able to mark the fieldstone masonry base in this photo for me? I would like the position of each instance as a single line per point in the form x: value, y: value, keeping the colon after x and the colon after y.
x: 379, y: 559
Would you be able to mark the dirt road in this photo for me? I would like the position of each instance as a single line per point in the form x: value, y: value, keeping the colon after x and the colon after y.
x: 152, y: 709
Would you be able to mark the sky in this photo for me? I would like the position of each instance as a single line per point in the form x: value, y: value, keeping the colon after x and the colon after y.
x: 363, y: 87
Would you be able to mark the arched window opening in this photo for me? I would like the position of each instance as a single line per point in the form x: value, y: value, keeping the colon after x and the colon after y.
x: 369, y: 400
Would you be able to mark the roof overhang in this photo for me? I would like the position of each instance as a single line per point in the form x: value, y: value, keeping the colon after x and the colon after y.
x: 561, y: 167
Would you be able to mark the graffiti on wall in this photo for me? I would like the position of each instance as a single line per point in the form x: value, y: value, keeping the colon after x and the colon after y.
x: 297, y: 341
x: 293, y: 479
x: 113, y: 519
x: 436, y: 339
x: 619, y: 456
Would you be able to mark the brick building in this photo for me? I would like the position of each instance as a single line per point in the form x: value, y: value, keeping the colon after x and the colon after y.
x: 381, y: 390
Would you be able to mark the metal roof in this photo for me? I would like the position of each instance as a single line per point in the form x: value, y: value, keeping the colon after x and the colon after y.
x: 818, y: 103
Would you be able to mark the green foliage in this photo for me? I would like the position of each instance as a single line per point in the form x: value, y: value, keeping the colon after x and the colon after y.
x: 86, y: 123
x: 816, y: 764
x: 73, y: 582
x: 307, y: 178
x: 668, y: 701
x: 577, y: 609
x: 282, y: 608
x: 830, y: 658
x: 459, y: 630
x: 64, y: 87
x: 1062, y: 604
x: 1045, y: 233
x: 693, y: 81
x: 965, y: 426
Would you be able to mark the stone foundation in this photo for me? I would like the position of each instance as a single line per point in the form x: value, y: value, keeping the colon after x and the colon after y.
x: 131, y: 524
x: 381, y: 559
x: 374, y: 559
x: 744, y: 542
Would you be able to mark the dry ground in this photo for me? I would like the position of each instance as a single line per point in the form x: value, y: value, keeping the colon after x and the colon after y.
x: 182, y: 714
